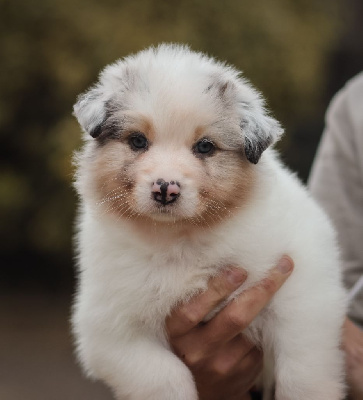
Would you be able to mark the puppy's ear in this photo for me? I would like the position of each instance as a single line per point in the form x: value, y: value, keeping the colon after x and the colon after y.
x: 94, y: 108
x: 259, y: 130
x: 90, y: 111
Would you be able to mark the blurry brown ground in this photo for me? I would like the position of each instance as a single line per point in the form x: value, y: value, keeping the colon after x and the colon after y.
x: 36, y: 360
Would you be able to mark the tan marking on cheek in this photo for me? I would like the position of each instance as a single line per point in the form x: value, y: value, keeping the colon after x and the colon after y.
x: 227, y: 193
x: 112, y: 179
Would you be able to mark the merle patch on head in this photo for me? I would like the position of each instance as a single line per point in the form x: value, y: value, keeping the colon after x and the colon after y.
x: 110, y: 128
x: 254, y: 150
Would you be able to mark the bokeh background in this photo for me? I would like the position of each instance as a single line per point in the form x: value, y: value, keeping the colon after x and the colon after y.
x: 297, y: 52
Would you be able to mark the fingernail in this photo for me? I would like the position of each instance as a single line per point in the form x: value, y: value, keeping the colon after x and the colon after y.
x: 285, y: 265
x: 235, y: 275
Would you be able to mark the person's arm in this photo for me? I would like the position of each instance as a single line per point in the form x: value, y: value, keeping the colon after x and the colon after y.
x: 336, y: 181
x: 225, y: 365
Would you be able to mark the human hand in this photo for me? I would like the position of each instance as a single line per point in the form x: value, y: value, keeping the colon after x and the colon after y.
x: 353, y: 347
x: 225, y: 365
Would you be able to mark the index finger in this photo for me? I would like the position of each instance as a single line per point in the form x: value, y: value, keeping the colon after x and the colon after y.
x: 187, y: 316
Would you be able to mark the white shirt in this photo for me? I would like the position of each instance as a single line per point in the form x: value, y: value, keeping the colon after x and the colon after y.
x: 336, y: 181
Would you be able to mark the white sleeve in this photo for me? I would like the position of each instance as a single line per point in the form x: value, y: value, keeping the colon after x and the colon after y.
x: 336, y: 181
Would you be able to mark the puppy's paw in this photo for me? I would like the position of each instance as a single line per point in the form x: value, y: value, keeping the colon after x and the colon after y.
x: 175, y: 383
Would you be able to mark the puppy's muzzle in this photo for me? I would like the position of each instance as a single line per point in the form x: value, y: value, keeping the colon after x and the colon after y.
x: 165, y: 192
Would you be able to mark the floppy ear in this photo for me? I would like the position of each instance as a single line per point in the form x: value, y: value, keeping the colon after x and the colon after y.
x: 90, y: 111
x: 259, y: 130
x: 95, y: 107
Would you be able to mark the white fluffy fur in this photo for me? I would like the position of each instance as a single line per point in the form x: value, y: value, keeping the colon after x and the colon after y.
x: 130, y: 280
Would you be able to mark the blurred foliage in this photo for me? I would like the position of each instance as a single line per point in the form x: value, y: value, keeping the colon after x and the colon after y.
x: 51, y: 50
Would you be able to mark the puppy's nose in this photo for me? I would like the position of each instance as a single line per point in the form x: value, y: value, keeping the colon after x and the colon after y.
x: 165, y: 192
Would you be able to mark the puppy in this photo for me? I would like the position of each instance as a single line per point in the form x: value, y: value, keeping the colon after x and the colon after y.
x: 177, y: 180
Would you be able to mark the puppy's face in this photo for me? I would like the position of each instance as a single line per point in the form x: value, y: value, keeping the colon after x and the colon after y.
x: 180, y: 168
x: 169, y: 146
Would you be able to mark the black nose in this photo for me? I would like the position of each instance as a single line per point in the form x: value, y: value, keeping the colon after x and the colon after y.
x: 165, y: 192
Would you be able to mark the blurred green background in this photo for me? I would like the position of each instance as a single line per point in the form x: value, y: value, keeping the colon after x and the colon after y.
x: 297, y: 52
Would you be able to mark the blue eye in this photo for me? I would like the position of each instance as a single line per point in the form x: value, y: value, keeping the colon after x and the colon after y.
x: 138, y: 141
x: 204, y: 146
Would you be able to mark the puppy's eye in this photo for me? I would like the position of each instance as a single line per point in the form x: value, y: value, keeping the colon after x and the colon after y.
x: 204, y: 146
x: 138, y: 141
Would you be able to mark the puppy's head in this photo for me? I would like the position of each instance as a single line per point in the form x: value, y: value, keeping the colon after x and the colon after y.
x: 173, y: 136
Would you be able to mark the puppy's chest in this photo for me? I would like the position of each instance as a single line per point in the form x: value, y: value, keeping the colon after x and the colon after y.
x: 145, y: 279
x: 174, y: 274
x: 185, y: 266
